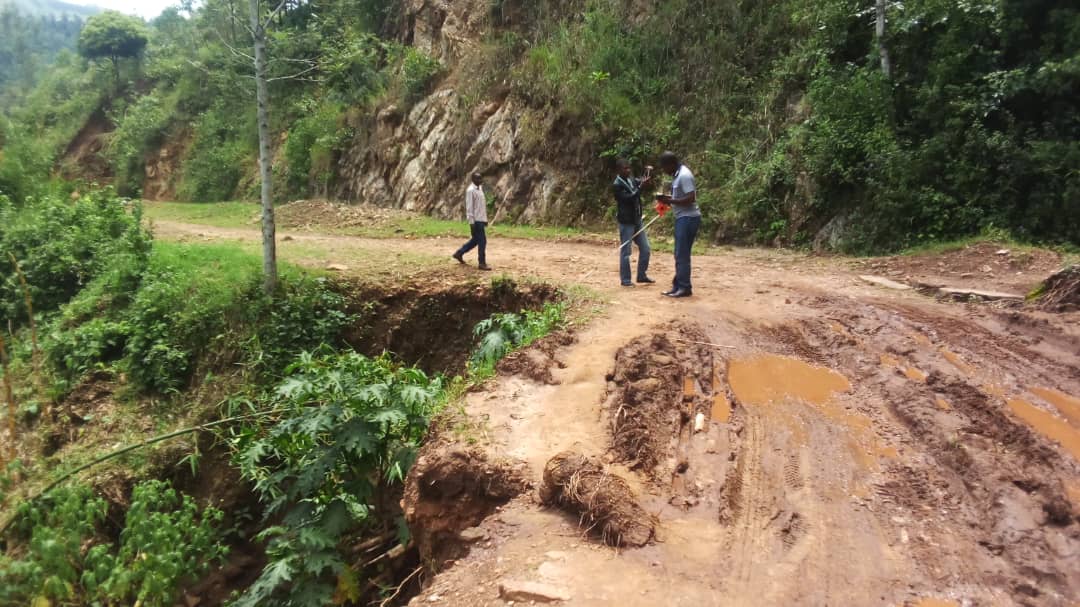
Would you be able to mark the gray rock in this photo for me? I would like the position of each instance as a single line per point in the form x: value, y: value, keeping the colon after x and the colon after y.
x: 512, y: 590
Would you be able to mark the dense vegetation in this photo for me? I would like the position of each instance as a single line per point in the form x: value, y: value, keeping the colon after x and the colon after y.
x: 29, y: 41
x: 324, y: 435
x: 783, y: 109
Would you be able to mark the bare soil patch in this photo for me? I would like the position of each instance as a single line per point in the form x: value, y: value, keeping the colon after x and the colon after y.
x: 324, y: 214
x: 985, y: 265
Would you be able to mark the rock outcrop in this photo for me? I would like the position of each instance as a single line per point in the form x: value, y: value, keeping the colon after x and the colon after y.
x: 419, y: 158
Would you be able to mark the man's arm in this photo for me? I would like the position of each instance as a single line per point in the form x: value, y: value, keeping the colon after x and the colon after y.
x: 470, y: 210
x: 687, y: 200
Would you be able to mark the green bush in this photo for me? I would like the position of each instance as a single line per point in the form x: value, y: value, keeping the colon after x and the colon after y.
x: 62, y: 246
x: 190, y: 304
x: 312, y: 146
x: 139, y: 128
x: 221, y: 152
x: 60, y: 554
x: 503, y: 333
x: 418, y: 72
x: 347, y: 426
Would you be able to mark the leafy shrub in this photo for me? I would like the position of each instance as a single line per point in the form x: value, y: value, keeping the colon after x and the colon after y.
x: 348, y: 426
x: 418, y: 72
x: 504, y: 333
x: 221, y: 149
x: 139, y: 127
x: 312, y: 145
x: 62, y: 246
x: 165, y: 540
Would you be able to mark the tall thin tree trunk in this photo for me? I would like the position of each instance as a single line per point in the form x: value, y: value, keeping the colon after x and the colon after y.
x: 258, y: 33
x: 883, y: 50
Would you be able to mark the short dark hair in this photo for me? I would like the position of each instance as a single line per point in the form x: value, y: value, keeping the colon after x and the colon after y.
x: 477, y: 177
x: 669, y: 158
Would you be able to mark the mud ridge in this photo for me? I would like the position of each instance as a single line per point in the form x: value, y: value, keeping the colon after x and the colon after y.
x: 659, y: 383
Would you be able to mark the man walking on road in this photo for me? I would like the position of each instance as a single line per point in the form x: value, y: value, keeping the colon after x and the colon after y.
x: 683, y: 199
x: 476, y: 215
x: 627, y: 190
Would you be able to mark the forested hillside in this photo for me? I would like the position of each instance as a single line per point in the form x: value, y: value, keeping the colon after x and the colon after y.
x: 803, y: 124
x: 31, y: 35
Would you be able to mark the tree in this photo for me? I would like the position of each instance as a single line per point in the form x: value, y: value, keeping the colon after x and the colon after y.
x: 260, y: 19
x: 258, y: 25
x: 113, y: 36
x: 879, y: 35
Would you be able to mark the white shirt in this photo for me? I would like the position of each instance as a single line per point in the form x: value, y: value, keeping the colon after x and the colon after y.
x: 475, y: 204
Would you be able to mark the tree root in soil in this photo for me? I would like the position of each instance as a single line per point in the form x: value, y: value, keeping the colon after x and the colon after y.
x: 604, y: 501
x: 1061, y: 291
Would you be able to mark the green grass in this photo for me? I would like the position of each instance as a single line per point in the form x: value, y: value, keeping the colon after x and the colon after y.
x: 217, y: 214
x: 245, y: 215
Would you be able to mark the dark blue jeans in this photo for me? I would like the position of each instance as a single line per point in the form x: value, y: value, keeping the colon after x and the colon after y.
x: 626, y: 231
x: 478, y: 241
x: 686, y: 229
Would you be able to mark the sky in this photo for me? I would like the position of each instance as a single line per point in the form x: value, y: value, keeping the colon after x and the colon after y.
x: 147, y: 9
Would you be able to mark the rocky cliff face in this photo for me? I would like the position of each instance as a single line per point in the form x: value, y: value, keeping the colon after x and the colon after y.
x: 419, y: 158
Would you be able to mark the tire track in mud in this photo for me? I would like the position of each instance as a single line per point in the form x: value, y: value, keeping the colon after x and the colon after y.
x: 1006, y: 530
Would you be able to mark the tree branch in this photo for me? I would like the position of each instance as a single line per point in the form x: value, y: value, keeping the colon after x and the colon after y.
x: 274, y: 13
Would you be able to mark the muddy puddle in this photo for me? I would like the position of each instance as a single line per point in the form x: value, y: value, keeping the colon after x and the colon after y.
x: 769, y: 380
x: 892, y: 362
x: 1068, y: 406
x: 1048, y: 424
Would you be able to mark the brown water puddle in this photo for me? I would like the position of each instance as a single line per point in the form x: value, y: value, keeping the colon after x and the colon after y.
x: 721, y: 408
x: 914, y: 374
x: 1068, y: 406
x: 956, y: 361
x: 920, y: 338
x: 769, y: 380
x: 892, y: 362
x: 1048, y: 424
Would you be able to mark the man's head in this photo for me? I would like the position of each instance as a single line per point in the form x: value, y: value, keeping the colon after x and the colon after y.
x: 669, y: 162
x: 622, y: 167
x: 477, y: 179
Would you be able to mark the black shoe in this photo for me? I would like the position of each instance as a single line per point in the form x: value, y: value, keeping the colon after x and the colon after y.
x: 485, y: 267
x: 458, y: 257
x: 668, y: 293
x: 628, y: 284
x: 679, y: 293
x: 646, y: 281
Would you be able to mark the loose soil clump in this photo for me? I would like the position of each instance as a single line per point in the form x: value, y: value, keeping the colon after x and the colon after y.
x: 1061, y: 292
x: 648, y: 390
x: 537, y: 361
x: 451, y: 488
x: 604, y: 501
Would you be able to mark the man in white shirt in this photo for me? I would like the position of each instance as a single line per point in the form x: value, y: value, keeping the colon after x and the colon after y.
x: 476, y: 215
x: 683, y: 200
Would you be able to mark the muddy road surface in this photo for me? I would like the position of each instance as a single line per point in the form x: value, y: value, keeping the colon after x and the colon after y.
x: 796, y: 435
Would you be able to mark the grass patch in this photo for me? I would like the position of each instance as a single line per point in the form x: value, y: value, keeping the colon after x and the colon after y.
x: 217, y: 214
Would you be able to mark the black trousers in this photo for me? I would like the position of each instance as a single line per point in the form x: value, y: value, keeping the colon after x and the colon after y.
x: 478, y: 241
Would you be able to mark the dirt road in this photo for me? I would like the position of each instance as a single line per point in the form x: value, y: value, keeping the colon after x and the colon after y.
x: 859, y: 446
